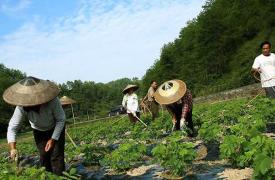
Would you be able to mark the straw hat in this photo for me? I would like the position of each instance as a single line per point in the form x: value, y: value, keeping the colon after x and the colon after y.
x: 130, y: 86
x: 65, y: 100
x: 31, y: 91
x: 170, y: 92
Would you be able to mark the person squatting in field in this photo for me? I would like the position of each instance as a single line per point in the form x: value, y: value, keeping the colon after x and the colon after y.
x: 153, y: 105
x: 178, y: 101
x: 264, y: 64
x: 130, y: 102
x: 37, y: 100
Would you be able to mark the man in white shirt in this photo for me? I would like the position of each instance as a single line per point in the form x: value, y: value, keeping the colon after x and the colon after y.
x: 37, y: 100
x: 130, y: 102
x: 264, y: 64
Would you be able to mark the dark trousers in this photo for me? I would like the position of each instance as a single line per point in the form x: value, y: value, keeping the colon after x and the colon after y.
x: 52, y: 160
x: 189, y: 121
x: 132, y: 118
x: 270, y: 93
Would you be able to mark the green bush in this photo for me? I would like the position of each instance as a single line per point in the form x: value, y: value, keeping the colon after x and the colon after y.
x: 174, y: 154
x: 126, y: 156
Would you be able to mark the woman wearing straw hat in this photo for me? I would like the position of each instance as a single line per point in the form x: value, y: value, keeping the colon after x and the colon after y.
x: 66, y: 101
x: 130, y: 102
x: 37, y: 99
x: 178, y: 100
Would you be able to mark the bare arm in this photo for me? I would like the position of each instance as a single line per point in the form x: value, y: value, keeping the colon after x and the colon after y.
x: 12, y: 145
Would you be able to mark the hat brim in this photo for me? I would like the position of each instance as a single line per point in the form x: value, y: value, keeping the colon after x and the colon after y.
x: 165, y: 100
x: 20, y: 95
x: 135, y: 88
x: 66, y: 101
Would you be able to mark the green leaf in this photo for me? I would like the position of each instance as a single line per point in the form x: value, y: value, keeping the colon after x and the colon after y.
x: 263, y: 163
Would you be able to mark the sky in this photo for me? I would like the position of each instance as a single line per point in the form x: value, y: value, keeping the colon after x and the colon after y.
x: 89, y: 40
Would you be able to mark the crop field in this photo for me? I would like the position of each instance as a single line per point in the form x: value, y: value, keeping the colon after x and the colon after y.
x: 234, y: 140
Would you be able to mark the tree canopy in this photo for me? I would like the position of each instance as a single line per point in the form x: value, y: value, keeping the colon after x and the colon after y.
x: 7, y: 78
x: 215, y: 51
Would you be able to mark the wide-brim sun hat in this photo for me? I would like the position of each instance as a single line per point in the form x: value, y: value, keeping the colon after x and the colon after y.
x: 128, y: 87
x: 65, y: 100
x: 170, y: 92
x: 31, y: 91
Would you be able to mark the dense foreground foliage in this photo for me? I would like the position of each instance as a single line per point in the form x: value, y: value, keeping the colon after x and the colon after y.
x: 238, y: 126
x: 118, y: 145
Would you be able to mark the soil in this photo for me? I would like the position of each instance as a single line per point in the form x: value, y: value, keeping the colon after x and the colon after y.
x: 236, y: 174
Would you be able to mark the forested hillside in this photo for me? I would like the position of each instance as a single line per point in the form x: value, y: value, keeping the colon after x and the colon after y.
x: 96, y: 98
x: 7, y: 78
x: 215, y: 51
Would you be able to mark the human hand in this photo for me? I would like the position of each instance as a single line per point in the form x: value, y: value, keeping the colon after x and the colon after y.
x: 174, y: 120
x: 182, y: 124
x: 14, y: 154
x: 50, y: 145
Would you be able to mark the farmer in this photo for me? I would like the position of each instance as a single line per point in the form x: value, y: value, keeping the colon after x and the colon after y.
x: 153, y: 105
x: 264, y: 64
x: 178, y: 101
x: 130, y: 102
x: 66, y: 101
x: 37, y: 100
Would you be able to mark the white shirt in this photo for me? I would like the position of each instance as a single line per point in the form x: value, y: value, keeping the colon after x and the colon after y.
x: 51, y: 115
x: 130, y: 102
x: 267, y: 66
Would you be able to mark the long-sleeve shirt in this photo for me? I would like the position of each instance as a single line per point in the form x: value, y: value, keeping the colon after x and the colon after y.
x: 130, y: 102
x: 184, y: 105
x: 51, y: 115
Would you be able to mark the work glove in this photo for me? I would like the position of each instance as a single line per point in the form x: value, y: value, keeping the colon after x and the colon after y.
x: 183, y: 124
x: 14, y: 154
x: 134, y: 114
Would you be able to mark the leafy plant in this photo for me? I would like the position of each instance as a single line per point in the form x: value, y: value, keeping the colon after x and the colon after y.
x: 175, y: 155
x: 211, y: 132
x: 126, y: 156
x: 258, y: 153
x: 94, y: 154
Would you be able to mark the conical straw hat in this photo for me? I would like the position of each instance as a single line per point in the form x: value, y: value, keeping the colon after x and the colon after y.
x: 170, y: 92
x: 130, y: 86
x: 65, y: 100
x: 31, y: 91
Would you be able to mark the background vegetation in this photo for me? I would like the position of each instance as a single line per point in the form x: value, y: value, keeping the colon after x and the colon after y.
x: 214, y: 52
